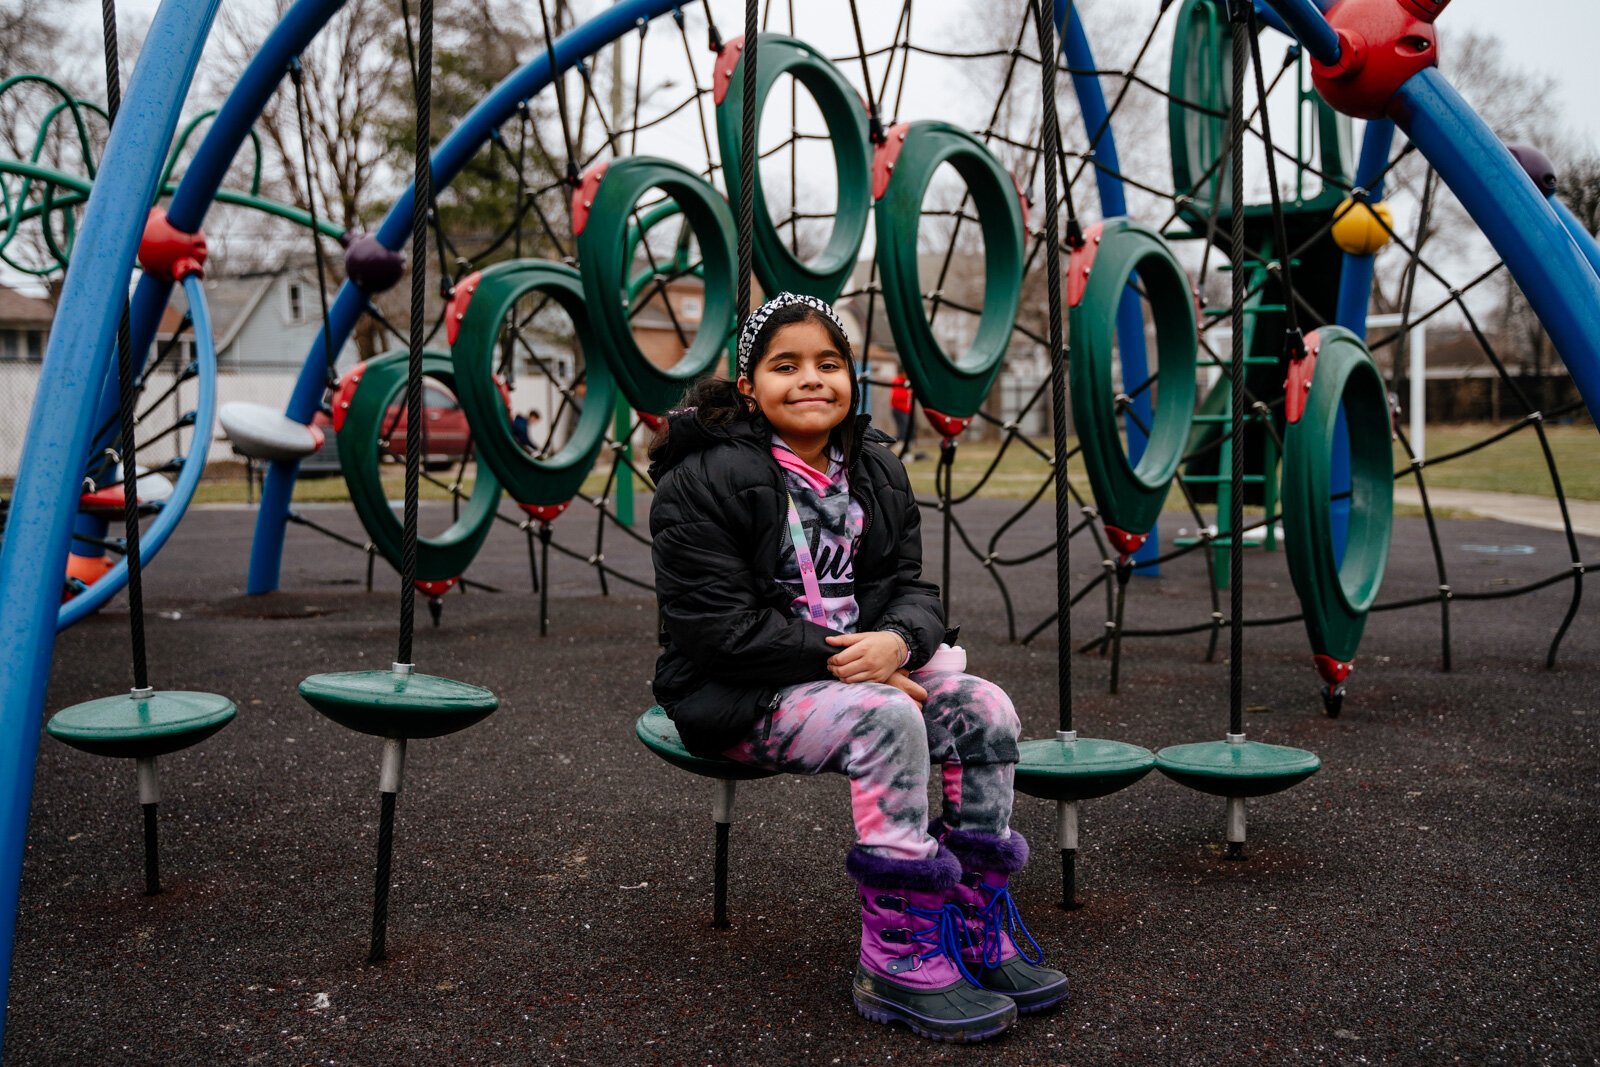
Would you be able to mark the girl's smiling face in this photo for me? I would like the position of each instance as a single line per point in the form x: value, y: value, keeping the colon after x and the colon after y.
x: 801, y: 383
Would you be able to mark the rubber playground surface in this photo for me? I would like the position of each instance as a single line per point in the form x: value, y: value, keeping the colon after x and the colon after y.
x: 1429, y: 895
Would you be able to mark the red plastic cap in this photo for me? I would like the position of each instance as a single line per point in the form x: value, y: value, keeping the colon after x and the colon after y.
x: 1081, y: 262
x: 1126, y: 543
x: 460, y: 299
x: 722, y: 74
x: 436, y: 588
x: 653, y: 422
x: 344, y: 392
x: 546, y: 512
x: 883, y: 157
x: 1382, y: 43
x: 948, y: 426
x: 1333, y: 671
x: 583, y: 196
x: 1297, y: 386
x: 167, y: 252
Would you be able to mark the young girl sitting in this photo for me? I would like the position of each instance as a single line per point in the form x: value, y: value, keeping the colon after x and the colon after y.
x: 799, y: 635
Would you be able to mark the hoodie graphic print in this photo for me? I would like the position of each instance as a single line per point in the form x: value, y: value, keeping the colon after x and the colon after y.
x: 833, y: 520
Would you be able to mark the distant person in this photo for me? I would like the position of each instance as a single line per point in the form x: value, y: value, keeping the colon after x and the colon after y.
x: 900, y: 403
x: 523, y: 426
x: 905, y: 427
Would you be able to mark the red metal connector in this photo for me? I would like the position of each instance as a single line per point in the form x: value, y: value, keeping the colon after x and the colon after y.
x: 460, y: 299
x: 1382, y: 43
x: 583, y: 195
x: 167, y: 252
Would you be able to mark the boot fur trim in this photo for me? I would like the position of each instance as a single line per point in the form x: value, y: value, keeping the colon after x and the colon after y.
x: 987, y: 852
x: 935, y: 875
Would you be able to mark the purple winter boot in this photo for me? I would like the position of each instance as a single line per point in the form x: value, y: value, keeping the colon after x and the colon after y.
x: 911, y: 969
x: 984, y: 895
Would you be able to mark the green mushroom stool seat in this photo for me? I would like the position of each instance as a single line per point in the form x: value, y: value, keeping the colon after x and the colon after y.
x: 399, y: 706
x: 1068, y: 769
x: 660, y: 735
x: 1237, y: 769
x: 1072, y: 769
x: 143, y: 725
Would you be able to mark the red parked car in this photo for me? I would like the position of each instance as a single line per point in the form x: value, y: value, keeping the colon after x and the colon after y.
x: 448, y: 436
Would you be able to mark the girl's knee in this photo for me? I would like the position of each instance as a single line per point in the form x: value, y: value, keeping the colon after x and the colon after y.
x: 890, y: 710
x: 983, y: 704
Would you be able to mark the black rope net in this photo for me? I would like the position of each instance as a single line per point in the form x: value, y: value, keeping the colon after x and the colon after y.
x: 653, y: 93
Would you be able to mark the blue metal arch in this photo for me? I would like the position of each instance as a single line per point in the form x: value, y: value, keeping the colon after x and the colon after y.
x: 44, y: 503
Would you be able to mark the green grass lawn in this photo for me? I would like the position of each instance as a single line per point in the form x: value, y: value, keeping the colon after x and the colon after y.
x: 1513, y: 465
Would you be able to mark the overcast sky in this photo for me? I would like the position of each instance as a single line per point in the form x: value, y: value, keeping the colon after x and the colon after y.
x: 1554, y: 36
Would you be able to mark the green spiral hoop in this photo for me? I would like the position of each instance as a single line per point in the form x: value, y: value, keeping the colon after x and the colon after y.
x: 776, y: 267
x: 1130, y: 497
x: 1337, y: 595
x: 438, y: 558
x: 603, y: 248
x: 529, y: 480
x: 953, y: 386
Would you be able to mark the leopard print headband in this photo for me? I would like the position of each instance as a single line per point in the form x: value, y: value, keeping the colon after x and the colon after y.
x: 758, y: 318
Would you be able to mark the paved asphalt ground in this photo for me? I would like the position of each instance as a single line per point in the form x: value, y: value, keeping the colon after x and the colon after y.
x: 1430, y: 896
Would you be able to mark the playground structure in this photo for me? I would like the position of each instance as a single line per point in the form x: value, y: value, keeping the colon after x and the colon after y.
x: 1307, y: 390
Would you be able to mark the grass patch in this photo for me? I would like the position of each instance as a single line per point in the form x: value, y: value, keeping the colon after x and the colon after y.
x: 1513, y: 465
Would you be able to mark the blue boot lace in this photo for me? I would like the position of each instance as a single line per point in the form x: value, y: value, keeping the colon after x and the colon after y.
x: 945, y: 937
x: 1000, y: 916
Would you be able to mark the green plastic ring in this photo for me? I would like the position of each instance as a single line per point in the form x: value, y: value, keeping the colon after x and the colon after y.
x: 955, y: 387
x: 776, y: 267
x: 1336, y: 596
x: 529, y: 480
x: 1199, y: 83
x: 438, y: 558
x: 1130, y: 497
x: 602, y: 247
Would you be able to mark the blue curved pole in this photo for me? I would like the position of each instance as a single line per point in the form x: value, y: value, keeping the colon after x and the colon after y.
x: 1113, y: 202
x: 34, y: 553
x: 1305, y: 21
x: 453, y: 153
x: 1355, y: 297
x: 203, y: 177
x: 1355, y: 274
x: 1580, y: 236
x: 205, y: 418
x: 1542, y: 256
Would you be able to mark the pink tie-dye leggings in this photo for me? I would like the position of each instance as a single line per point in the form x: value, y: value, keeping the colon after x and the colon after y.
x: 877, y: 736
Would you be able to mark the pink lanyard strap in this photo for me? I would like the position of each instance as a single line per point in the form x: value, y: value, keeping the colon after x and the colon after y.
x: 808, y: 568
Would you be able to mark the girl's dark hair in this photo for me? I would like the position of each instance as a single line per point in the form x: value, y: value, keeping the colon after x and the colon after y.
x: 719, y: 402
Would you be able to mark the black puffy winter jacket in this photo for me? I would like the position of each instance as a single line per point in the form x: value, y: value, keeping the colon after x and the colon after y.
x: 718, y: 525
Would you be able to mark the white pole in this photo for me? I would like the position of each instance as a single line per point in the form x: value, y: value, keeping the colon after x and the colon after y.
x: 1419, y: 388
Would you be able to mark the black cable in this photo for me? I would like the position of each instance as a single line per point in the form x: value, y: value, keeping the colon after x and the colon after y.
x: 297, y: 76
x: 1294, y: 340
x: 1239, y: 14
x: 748, y: 149
x: 422, y: 195
x: 874, y: 118
x: 561, y: 96
x: 1058, y: 370
x: 128, y: 392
